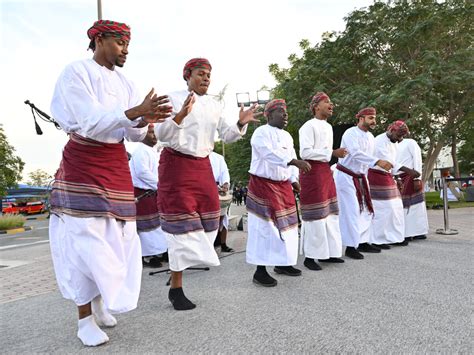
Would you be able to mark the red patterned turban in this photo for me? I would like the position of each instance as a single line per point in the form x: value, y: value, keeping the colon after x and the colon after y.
x: 368, y: 111
x: 400, y: 127
x: 116, y: 29
x: 319, y: 96
x: 193, y: 64
x: 273, y: 105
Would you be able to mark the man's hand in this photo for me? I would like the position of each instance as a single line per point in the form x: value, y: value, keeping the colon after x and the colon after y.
x: 412, y: 172
x: 399, y: 185
x: 152, y: 109
x: 417, y: 185
x: 248, y: 115
x: 296, y: 187
x: 340, y: 152
x: 186, y: 108
x: 384, y: 164
x: 415, y: 174
x: 301, y: 164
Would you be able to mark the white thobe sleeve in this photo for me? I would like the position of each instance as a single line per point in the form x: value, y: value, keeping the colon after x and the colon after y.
x: 224, y: 176
x: 307, y: 143
x: 142, y: 164
x: 294, y: 171
x: 230, y: 133
x: 166, y: 131
x: 74, y: 91
x: 277, y: 156
x: 353, y: 147
x: 134, y: 134
x: 385, y: 151
x: 416, y: 153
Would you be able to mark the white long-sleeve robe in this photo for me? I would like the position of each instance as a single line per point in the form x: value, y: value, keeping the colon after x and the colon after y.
x: 144, y: 170
x: 416, y: 217
x: 194, y: 136
x: 221, y: 176
x: 354, y: 225
x: 320, y: 239
x: 97, y: 255
x: 388, y: 225
x: 272, y: 149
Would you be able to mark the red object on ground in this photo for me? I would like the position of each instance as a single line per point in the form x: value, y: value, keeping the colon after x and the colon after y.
x: 24, y: 207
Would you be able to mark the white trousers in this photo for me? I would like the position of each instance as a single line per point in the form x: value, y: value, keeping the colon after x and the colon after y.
x: 353, y: 224
x: 416, y: 220
x: 191, y: 249
x: 321, y: 239
x: 389, y: 222
x: 153, y: 242
x: 265, y: 247
x: 97, y: 255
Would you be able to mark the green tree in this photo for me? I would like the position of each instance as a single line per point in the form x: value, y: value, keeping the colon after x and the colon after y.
x: 412, y: 60
x: 11, y: 166
x: 39, y: 177
x: 466, y: 151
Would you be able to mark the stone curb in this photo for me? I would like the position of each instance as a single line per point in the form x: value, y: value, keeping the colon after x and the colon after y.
x: 16, y: 230
x: 40, y: 218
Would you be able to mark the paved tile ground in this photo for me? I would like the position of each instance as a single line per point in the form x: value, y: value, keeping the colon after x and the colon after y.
x: 415, y: 299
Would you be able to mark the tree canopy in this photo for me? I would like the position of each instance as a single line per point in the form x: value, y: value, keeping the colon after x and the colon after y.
x: 11, y: 166
x: 39, y: 177
x: 412, y: 60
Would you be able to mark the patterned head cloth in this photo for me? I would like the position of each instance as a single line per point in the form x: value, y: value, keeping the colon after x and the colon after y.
x: 319, y: 96
x: 193, y: 64
x: 400, y: 127
x: 368, y: 111
x: 273, y: 105
x: 116, y: 29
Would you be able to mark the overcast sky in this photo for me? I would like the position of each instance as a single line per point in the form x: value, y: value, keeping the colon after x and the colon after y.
x: 240, y: 38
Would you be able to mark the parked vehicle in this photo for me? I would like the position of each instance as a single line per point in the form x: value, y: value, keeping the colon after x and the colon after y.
x: 24, y: 207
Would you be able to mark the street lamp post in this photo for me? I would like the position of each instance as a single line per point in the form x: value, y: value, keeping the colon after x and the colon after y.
x: 99, y: 9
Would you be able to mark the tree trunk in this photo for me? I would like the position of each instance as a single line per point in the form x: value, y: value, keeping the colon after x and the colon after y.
x: 431, y: 159
x: 455, y: 157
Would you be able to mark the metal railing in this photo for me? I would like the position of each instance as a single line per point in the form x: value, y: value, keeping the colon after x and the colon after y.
x: 447, y: 230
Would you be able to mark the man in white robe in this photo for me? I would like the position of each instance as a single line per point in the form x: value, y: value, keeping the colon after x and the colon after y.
x: 272, y: 219
x: 353, y: 195
x: 388, y: 224
x: 187, y: 194
x: 93, y: 238
x: 144, y: 171
x: 320, y: 234
x: 413, y: 197
x: 222, y: 179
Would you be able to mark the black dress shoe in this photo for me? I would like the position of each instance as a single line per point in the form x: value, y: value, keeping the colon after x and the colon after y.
x: 331, y: 260
x: 352, y: 253
x: 400, y: 244
x: 179, y: 301
x: 264, y: 279
x: 287, y: 270
x: 382, y: 246
x: 368, y: 248
x: 226, y: 249
x: 409, y: 239
x: 311, y: 264
x: 420, y: 237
